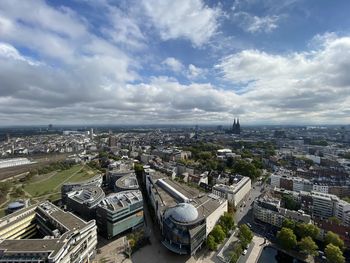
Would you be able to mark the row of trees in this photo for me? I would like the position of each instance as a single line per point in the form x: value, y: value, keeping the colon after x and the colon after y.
x: 245, y: 236
x: 220, y: 231
x: 301, y: 236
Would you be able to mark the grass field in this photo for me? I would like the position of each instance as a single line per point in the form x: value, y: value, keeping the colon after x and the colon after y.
x: 53, y: 181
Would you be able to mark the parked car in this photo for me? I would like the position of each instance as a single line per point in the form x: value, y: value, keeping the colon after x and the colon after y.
x: 244, y: 252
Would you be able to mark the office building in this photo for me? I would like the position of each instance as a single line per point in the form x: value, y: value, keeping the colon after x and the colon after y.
x: 185, y: 215
x: 84, y: 201
x: 70, y: 186
x: 45, y: 233
x: 119, y: 212
x: 268, y: 210
x: 236, y: 193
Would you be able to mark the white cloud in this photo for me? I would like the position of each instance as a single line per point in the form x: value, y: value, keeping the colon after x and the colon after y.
x: 252, y: 24
x: 174, y: 64
x: 305, y: 84
x: 123, y: 29
x: 195, y: 72
x: 188, y: 19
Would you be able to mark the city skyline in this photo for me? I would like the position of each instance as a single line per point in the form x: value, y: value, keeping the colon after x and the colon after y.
x: 165, y: 62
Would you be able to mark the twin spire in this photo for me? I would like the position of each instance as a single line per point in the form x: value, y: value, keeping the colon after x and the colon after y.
x: 236, y: 127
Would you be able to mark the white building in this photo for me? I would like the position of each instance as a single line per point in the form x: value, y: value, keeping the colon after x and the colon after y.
x: 236, y: 193
x: 14, y: 162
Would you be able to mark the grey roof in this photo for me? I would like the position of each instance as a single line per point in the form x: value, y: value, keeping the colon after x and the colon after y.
x: 183, y: 213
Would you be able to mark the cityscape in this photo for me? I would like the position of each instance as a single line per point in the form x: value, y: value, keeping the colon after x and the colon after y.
x: 189, y: 131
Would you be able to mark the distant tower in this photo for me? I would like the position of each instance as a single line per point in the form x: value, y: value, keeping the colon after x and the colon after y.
x: 91, y: 133
x: 236, y: 127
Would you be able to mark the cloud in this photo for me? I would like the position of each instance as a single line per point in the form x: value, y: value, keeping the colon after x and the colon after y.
x: 255, y: 24
x: 195, y: 72
x: 186, y: 19
x: 86, y: 93
x: 305, y: 84
x: 174, y: 64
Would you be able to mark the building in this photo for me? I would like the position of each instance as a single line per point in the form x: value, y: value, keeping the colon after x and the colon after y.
x: 14, y: 162
x: 236, y: 193
x: 70, y: 186
x: 45, y: 233
x: 236, y: 127
x: 17, y: 205
x: 119, y: 212
x: 324, y: 205
x: 84, y: 201
x: 127, y: 182
x: 269, y: 210
x: 320, y: 206
x: 185, y: 215
x: 113, y: 175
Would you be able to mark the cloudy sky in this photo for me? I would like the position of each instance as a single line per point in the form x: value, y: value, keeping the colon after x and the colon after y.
x: 174, y: 61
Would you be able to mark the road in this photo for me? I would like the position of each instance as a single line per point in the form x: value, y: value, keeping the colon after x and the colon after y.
x: 244, y: 214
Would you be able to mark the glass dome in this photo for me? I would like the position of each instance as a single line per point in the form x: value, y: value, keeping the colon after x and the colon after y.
x: 183, y: 213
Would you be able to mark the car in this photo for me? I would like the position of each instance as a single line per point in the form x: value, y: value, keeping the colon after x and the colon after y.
x: 244, y: 252
x: 249, y: 225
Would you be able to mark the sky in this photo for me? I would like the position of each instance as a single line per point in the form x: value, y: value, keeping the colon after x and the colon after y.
x: 174, y: 62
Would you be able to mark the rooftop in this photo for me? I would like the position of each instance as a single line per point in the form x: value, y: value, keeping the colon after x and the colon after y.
x: 120, y: 200
x: 50, y: 244
x: 86, y: 194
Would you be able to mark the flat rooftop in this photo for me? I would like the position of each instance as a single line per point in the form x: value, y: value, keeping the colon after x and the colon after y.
x: 117, y: 201
x: 86, y: 194
x: 51, y: 245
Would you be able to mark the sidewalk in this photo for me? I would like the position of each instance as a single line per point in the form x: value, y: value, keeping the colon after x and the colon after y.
x: 258, y: 245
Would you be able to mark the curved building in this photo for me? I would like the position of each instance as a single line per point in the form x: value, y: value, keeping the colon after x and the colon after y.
x: 84, y: 201
x: 184, y: 230
x: 185, y: 215
x: 127, y: 182
x: 113, y: 175
x: 68, y: 187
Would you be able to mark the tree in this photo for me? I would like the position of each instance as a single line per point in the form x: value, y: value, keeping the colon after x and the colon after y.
x: 218, y: 234
x: 288, y: 223
x: 246, y: 169
x: 290, y: 203
x: 227, y: 222
x: 286, y: 238
x: 211, y: 244
x: 334, y: 220
x: 245, y: 235
x: 308, y: 246
x: 236, y: 253
x: 304, y: 230
x: 333, y: 238
x: 334, y: 254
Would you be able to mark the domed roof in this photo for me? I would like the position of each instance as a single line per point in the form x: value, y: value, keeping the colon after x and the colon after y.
x: 183, y: 213
x: 15, y: 205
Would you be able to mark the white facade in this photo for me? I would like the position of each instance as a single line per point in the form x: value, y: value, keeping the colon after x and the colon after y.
x: 275, y: 180
x: 324, y: 205
x: 320, y: 188
x: 235, y: 193
x: 214, y: 217
x: 14, y: 162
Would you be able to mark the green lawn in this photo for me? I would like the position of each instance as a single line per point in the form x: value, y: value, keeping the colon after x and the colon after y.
x: 53, y: 184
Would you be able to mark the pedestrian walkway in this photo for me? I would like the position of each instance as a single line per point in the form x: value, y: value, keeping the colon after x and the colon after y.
x: 258, y: 244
